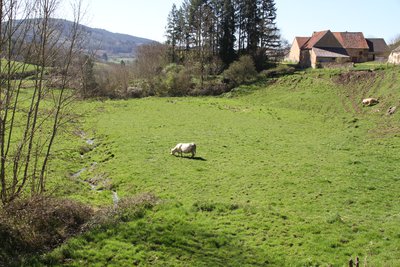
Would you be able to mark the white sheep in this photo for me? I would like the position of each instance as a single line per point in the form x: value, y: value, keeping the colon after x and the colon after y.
x: 184, y: 148
x: 370, y: 101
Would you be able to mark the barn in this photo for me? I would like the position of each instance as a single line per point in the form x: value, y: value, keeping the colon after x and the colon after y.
x: 326, y: 48
x: 355, y: 45
x: 378, y: 49
x: 321, y: 48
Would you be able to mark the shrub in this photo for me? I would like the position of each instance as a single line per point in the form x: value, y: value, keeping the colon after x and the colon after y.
x: 211, y: 88
x: 142, y: 88
x: 150, y: 60
x: 241, y: 71
x: 177, y: 81
x: 280, y: 70
x: 135, y: 92
x: 112, y: 81
x: 128, y: 209
x: 38, y: 224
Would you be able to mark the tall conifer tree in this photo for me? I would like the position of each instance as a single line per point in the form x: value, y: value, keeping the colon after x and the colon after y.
x: 228, y: 39
x: 269, y: 33
x: 227, y: 28
x: 251, y: 26
x: 173, y: 31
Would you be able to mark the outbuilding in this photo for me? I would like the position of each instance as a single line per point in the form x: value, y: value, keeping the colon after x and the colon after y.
x: 378, y: 49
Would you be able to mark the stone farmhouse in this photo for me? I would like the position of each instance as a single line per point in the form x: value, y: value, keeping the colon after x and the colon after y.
x: 326, y: 48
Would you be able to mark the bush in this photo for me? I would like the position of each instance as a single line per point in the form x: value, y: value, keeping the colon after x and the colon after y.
x: 128, y: 209
x: 30, y: 227
x: 112, y: 81
x: 135, y: 92
x: 211, y: 88
x: 38, y: 224
x: 177, y: 81
x: 240, y: 71
x: 150, y: 60
x: 280, y: 70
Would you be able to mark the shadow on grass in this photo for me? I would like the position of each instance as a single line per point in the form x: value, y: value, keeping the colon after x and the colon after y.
x: 165, y: 240
x: 197, y: 158
x: 194, y: 158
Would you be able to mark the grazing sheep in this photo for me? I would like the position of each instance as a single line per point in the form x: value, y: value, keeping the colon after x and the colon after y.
x: 370, y: 101
x: 184, y: 148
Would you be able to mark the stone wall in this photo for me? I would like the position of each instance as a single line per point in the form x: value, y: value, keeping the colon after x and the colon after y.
x: 358, y: 55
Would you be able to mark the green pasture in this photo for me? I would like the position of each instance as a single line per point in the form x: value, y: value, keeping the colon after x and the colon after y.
x: 16, y: 67
x: 290, y: 173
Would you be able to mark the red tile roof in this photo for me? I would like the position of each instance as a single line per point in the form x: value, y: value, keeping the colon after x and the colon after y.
x: 314, y: 39
x: 302, y: 40
x: 351, y: 40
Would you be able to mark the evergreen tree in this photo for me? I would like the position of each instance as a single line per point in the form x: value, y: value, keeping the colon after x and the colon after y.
x: 228, y: 39
x: 240, y: 25
x: 269, y: 33
x: 209, y: 27
x: 181, y: 29
x: 227, y: 28
x: 186, y: 25
x: 89, y: 84
x: 173, y: 31
x: 198, y: 31
x: 217, y: 9
x: 251, y: 23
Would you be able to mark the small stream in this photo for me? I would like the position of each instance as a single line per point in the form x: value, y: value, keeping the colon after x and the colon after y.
x: 93, y: 185
x: 115, y: 198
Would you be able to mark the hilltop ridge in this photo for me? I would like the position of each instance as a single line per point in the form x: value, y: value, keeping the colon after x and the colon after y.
x: 104, y: 43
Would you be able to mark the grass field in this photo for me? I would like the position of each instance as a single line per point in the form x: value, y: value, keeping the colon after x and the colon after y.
x: 16, y: 67
x: 294, y: 173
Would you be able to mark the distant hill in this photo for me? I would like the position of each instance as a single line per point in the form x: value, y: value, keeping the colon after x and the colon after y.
x: 114, y: 45
x: 107, y: 45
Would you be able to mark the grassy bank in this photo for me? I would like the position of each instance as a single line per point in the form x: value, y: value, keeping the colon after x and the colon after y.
x: 293, y: 173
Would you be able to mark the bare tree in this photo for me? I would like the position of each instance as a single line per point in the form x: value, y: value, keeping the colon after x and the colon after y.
x: 9, y: 87
x: 150, y: 60
x: 28, y: 127
x: 394, y: 42
x: 62, y: 99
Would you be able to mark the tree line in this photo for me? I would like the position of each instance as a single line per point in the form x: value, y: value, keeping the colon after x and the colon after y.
x: 223, y: 30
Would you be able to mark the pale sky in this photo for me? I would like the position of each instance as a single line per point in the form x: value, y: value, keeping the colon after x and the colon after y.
x: 148, y: 18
